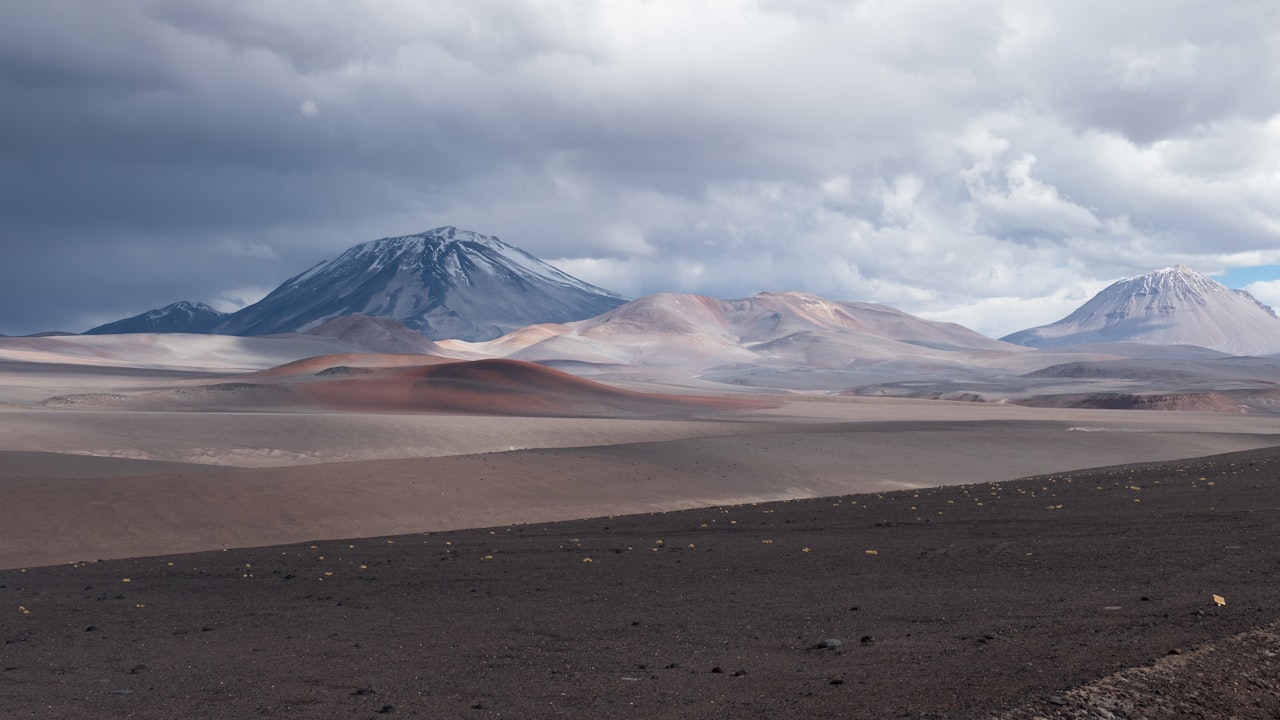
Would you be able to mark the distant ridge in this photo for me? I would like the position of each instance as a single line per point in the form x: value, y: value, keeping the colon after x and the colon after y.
x: 1173, y: 306
x: 180, y: 317
x: 443, y: 283
x: 777, y: 329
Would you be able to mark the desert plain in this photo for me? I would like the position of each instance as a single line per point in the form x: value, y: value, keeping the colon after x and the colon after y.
x: 281, y: 527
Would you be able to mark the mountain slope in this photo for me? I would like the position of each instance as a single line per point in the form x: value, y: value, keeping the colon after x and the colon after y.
x: 1174, y: 306
x: 443, y: 283
x: 180, y: 317
x: 777, y: 329
x: 378, y: 335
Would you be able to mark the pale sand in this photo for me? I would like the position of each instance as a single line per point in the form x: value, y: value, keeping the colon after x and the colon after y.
x: 83, y: 484
x: 69, y: 514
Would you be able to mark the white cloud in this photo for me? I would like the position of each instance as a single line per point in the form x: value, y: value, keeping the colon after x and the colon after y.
x: 232, y: 299
x: 982, y: 161
x: 1266, y: 291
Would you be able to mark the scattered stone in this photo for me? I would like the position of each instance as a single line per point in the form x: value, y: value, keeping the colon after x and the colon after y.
x: 93, y: 628
x: 716, y: 669
x: 1057, y: 700
x: 836, y: 681
x: 868, y: 640
x: 386, y: 710
x: 362, y: 691
x: 827, y: 643
x: 739, y: 673
x: 121, y: 692
x: 137, y: 669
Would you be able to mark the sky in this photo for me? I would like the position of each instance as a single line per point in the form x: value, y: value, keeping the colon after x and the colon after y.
x: 992, y: 163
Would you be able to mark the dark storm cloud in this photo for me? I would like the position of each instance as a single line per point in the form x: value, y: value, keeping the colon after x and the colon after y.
x: 987, y: 163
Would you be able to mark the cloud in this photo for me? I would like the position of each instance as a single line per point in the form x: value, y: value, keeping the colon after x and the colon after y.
x: 988, y: 162
x: 1266, y: 291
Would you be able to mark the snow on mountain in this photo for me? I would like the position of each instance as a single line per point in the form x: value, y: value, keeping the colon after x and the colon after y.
x: 777, y: 329
x: 1173, y: 306
x: 443, y: 283
x: 180, y: 317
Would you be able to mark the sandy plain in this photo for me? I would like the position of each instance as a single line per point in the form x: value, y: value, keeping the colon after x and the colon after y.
x: 89, y: 484
x: 130, y: 463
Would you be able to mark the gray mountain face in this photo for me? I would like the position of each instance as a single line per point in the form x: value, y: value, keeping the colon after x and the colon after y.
x: 1174, y: 306
x: 443, y: 283
x: 180, y: 317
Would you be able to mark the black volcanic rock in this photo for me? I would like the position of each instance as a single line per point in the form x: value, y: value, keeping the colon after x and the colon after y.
x: 180, y: 317
x: 444, y: 283
x: 1174, y: 306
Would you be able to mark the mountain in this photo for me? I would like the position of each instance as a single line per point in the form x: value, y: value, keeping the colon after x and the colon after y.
x: 774, y: 329
x: 443, y: 283
x: 1174, y: 306
x: 180, y: 317
x: 376, y: 335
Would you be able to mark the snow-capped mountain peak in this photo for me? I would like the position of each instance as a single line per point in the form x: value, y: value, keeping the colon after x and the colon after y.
x: 180, y: 317
x: 443, y: 283
x: 1172, y: 306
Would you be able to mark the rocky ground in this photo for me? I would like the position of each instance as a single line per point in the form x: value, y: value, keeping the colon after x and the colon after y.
x: 1079, y: 595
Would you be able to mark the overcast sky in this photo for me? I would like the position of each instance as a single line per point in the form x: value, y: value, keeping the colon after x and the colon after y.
x: 991, y: 163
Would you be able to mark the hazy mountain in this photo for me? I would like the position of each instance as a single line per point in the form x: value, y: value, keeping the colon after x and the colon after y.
x: 377, y: 335
x: 443, y: 283
x: 180, y: 317
x: 1174, y: 306
x: 770, y: 329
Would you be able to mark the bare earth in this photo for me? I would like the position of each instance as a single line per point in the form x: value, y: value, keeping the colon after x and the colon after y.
x: 731, y: 536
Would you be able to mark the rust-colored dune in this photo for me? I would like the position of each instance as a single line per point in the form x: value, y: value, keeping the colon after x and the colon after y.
x: 498, y: 387
x: 320, y: 363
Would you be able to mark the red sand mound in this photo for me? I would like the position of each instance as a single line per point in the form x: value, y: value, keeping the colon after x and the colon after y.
x: 498, y: 387
x: 320, y: 363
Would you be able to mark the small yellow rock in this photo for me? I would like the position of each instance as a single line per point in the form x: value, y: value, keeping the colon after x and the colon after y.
x: 586, y: 560
x: 873, y: 552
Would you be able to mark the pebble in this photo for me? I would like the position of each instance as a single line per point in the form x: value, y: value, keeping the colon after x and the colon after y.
x: 828, y: 643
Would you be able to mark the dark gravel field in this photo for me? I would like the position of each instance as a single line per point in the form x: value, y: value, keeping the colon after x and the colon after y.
x: 1017, y: 599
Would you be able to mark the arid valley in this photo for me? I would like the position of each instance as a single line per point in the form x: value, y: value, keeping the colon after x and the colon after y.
x: 205, y: 526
